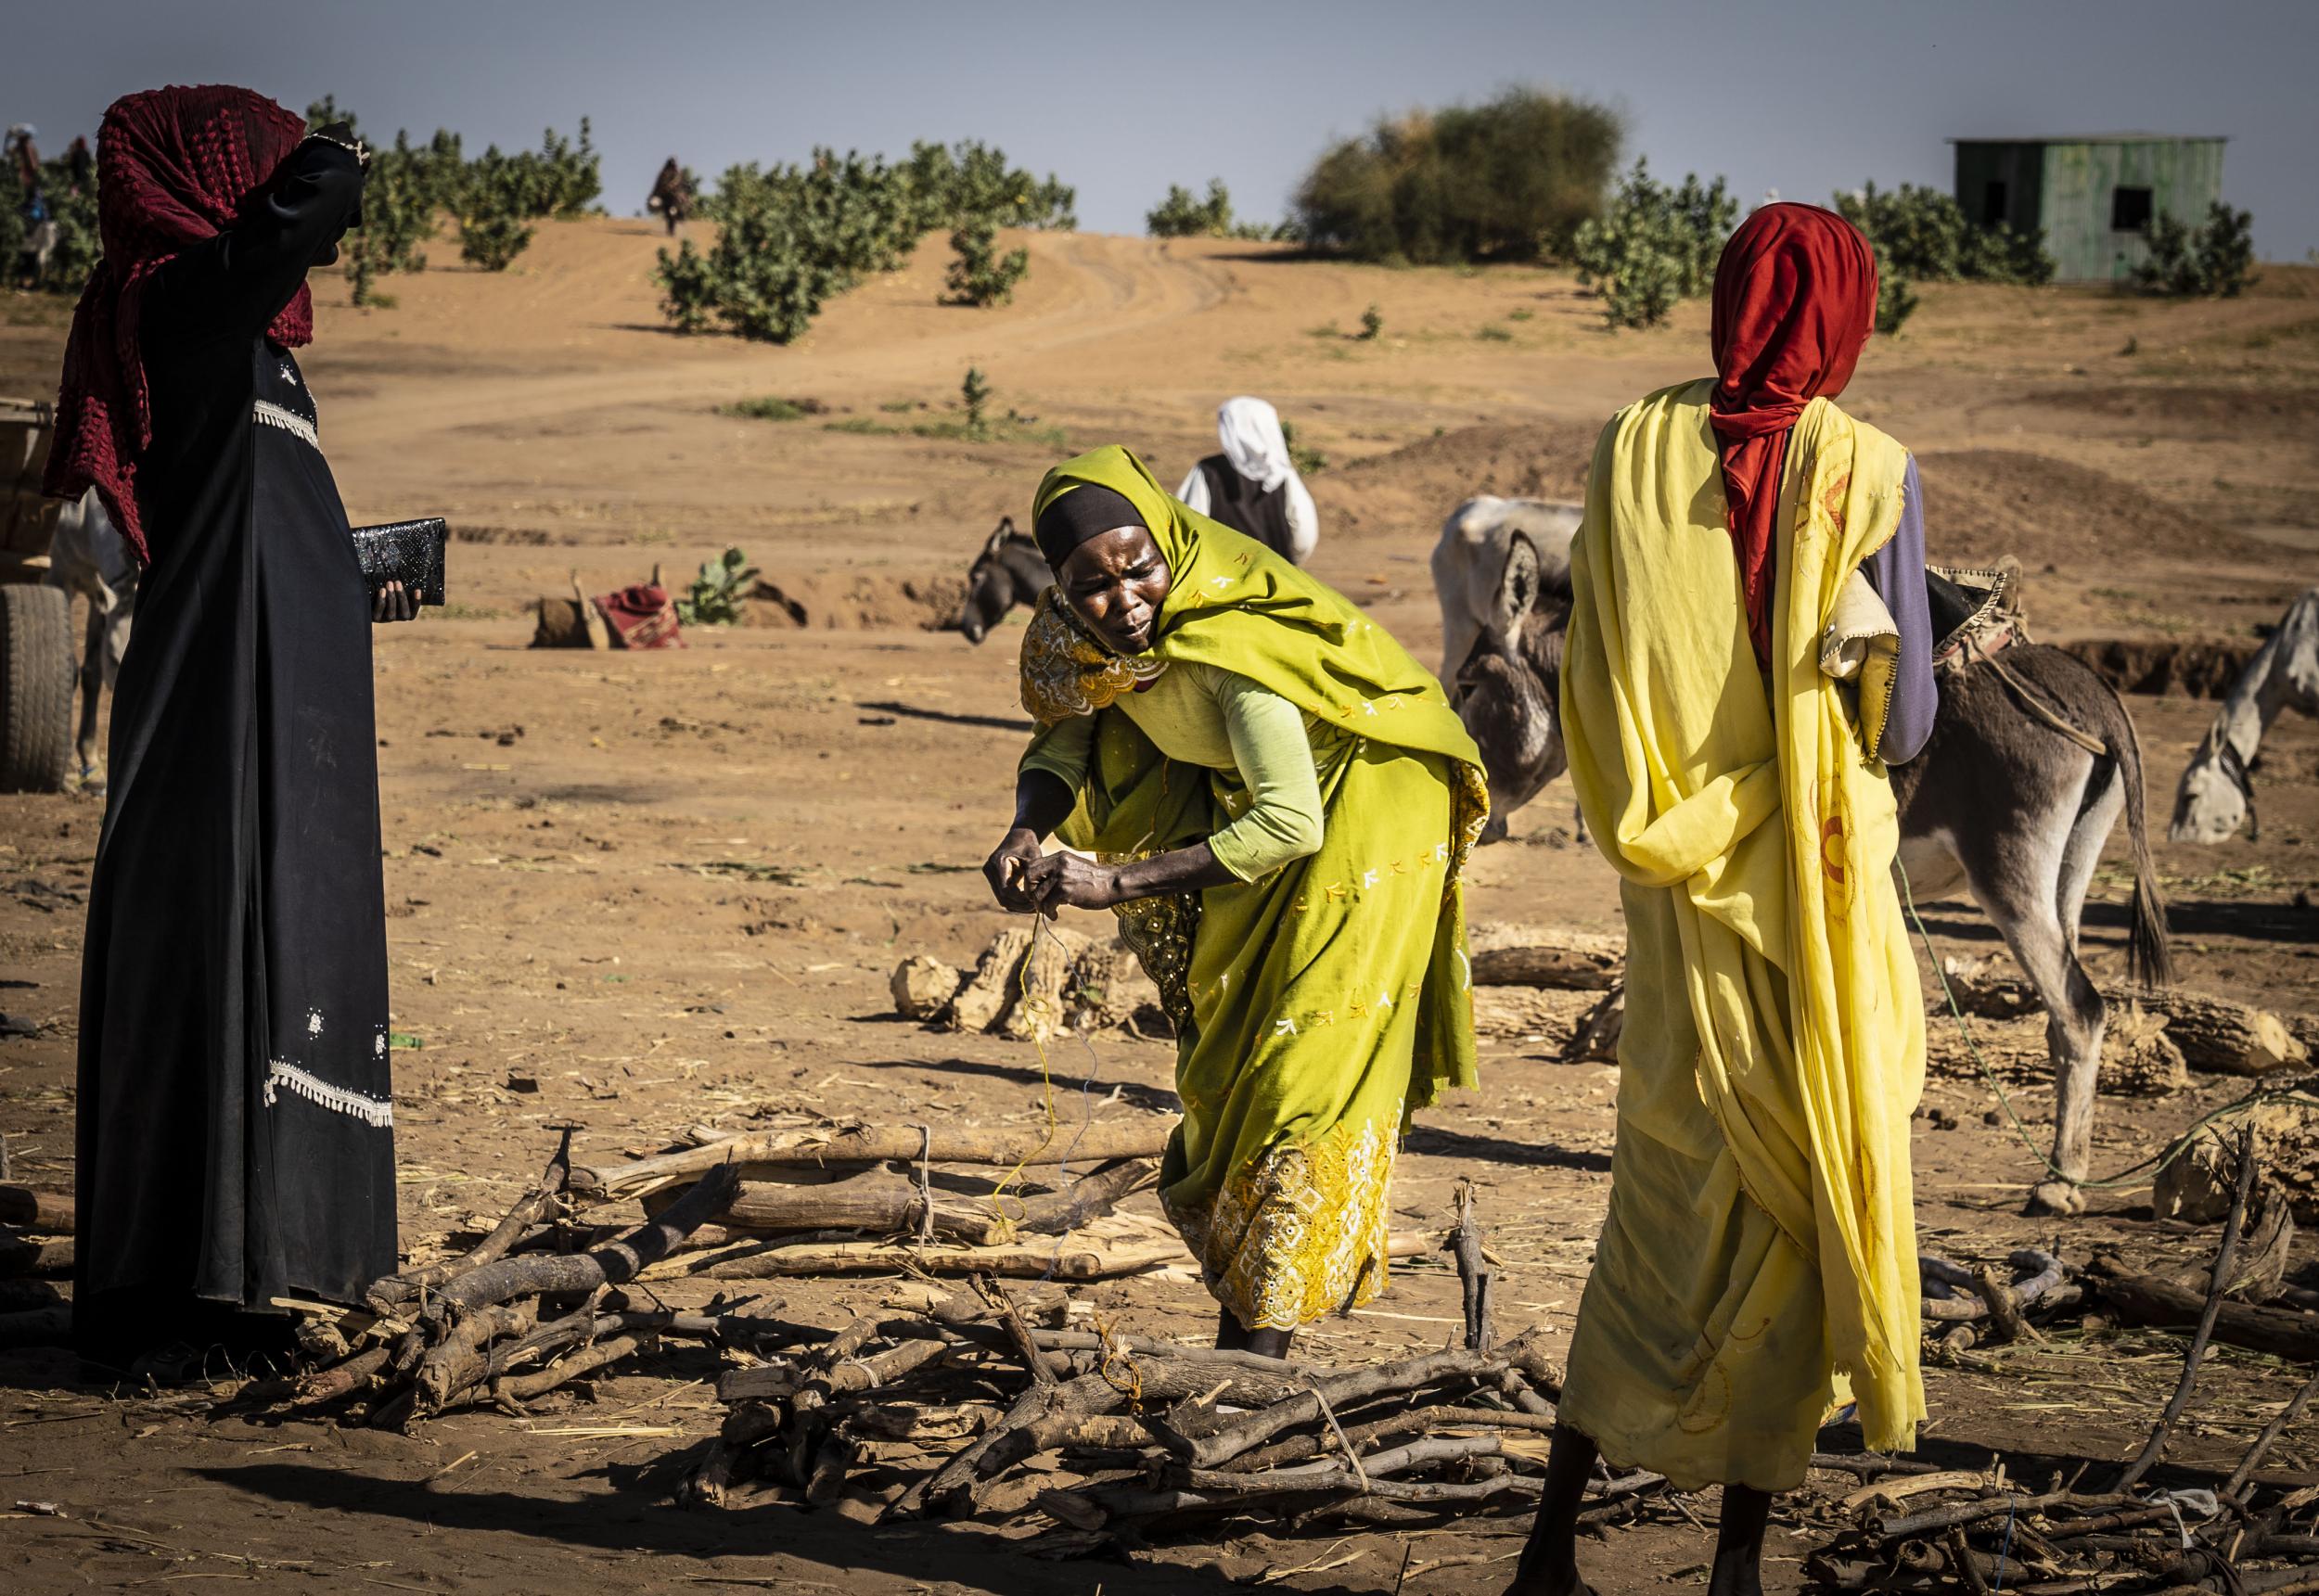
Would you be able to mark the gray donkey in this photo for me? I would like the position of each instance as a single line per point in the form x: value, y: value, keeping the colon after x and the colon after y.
x: 1999, y: 801
x: 1009, y: 570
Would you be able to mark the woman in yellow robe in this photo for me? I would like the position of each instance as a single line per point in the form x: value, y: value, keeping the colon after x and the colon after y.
x: 1759, y: 1256
x: 1281, y: 801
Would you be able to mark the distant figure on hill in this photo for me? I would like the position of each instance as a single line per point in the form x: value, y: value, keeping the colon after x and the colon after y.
x: 671, y: 195
x: 1252, y: 486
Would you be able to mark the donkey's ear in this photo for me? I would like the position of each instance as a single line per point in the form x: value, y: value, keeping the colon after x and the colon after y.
x: 999, y: 534
x: 1519, y: 583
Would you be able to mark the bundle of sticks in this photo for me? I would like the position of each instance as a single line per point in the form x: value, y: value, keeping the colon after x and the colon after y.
x: 540, y: 1301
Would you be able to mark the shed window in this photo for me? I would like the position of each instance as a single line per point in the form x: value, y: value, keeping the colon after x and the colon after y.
x: 2128, y: 210
x: 1992, y: 203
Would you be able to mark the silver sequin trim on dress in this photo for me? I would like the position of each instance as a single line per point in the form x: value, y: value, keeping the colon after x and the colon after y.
x: 289, y: 420
x: 369, y: 1110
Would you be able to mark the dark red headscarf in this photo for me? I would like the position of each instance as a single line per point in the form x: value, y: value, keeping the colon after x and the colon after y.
x: 1795, y: 300
x: 174, y: 167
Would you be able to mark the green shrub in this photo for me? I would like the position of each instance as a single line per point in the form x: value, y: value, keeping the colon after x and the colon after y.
x: 789, y: 238
x: 2214, y: 260
x: 950, y: 186
x: 1925, y: 235
x: 496, y: 203
x: 981, y: 275
x: 1896, y: 301
x: 974, y: 392
x: 1181, y: 216
x: 1654, y: 247
x: 1372, y: 323
x: 775, y: 409
x: 1508, y: 180
x: 718, y: 592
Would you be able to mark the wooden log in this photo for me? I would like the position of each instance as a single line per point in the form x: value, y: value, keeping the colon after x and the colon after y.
x: 1077, y: 1260
x: 2155, y: 1299
x: 386, y: 1297
x: 1582, y: 964
x: 1142, y: 1136
x: 1417, y: 1422
x: 340, y: 1379
x: 2215, y: 1034
x: 612, y: 1264
x: 886, y: 1202
x: 49, y: 1212
x: 1596, y: 1039
x: 459, y: 1361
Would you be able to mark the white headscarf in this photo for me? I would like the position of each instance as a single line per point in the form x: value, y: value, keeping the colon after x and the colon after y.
x: 1249, y: 429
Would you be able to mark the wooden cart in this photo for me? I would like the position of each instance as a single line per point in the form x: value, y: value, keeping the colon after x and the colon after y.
x: 36, y: 659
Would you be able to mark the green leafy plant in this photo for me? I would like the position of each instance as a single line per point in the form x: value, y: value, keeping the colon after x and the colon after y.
x: 981, y: 275
x: 950, y: 185
x: 1926, y: 238
x: 1307, y: 460
x: 1653, y: 245
x: 1510, y: 179
x: 1372, y: 323
x: 2214, y: 260
x: 975, y: 393
x: 1491, y: 332
x: 717, y: 594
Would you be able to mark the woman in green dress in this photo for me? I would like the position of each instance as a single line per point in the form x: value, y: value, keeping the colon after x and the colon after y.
x: 1279, y: 801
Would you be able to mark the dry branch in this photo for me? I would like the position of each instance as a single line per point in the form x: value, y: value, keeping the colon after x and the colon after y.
x: 1142, y: 1137
x: 1576, y: 962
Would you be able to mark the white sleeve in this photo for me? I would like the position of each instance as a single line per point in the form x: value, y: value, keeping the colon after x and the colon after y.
x: 1194, y: 491
x: 1305, y: 522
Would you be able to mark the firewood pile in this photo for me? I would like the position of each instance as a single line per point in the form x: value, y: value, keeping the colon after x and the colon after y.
x: 1980, y: 1532
x: 977, y: 1404
x: 540, y: 1301
x: 35, y: 1246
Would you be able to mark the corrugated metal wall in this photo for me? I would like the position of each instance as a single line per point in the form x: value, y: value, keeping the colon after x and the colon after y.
x: 2070, y: 191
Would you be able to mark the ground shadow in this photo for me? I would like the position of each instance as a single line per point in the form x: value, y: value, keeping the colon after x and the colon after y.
x: 918, y: 712
x: 1068, y: 1081
x: 1434, y: 1141
x: 630, y: 1523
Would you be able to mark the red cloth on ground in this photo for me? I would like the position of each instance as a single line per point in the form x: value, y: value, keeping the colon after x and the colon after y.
x: 1795, y: 300
x: 175, y: 168
x: 641, y: 616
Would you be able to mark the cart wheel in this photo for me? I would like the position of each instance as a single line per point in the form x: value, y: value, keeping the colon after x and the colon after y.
x: 37, y: 671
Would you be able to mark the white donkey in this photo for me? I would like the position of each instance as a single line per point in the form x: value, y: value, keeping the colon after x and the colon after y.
x: 2217, y: 795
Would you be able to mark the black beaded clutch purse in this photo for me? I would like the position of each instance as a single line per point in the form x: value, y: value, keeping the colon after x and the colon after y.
x: 407, y: 552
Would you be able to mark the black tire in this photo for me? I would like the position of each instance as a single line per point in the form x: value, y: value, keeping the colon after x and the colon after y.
x: 37, y: 671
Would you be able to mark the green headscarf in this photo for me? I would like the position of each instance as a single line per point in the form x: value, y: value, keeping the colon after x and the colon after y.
x: 1235, y: 605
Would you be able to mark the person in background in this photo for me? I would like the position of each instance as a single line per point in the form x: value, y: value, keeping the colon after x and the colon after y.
x: 236, y: 1125
x: 672, y: 196
x: 1749, y: 650
x: 1252, y: 485
x: 1283, y: 801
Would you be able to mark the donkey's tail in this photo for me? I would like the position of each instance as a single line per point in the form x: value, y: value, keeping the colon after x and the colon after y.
x: 2149, y: 955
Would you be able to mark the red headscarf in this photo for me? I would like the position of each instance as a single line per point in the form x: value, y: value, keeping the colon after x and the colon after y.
x: 1795, y: 300
x: 174, y: 168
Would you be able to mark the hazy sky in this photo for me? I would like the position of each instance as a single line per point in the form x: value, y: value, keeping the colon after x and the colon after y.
x: 1800, y: 95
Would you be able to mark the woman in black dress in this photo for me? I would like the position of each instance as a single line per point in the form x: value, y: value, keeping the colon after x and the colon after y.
x: 235, y: 1121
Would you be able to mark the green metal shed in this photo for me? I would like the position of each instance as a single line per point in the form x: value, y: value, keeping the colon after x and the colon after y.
x: 2094, y: 197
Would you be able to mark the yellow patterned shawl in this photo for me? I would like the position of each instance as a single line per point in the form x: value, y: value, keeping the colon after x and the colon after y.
x: 1773, y: 833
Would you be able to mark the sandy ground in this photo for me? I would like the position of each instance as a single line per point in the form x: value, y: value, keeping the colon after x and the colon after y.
x: 670, y: 888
